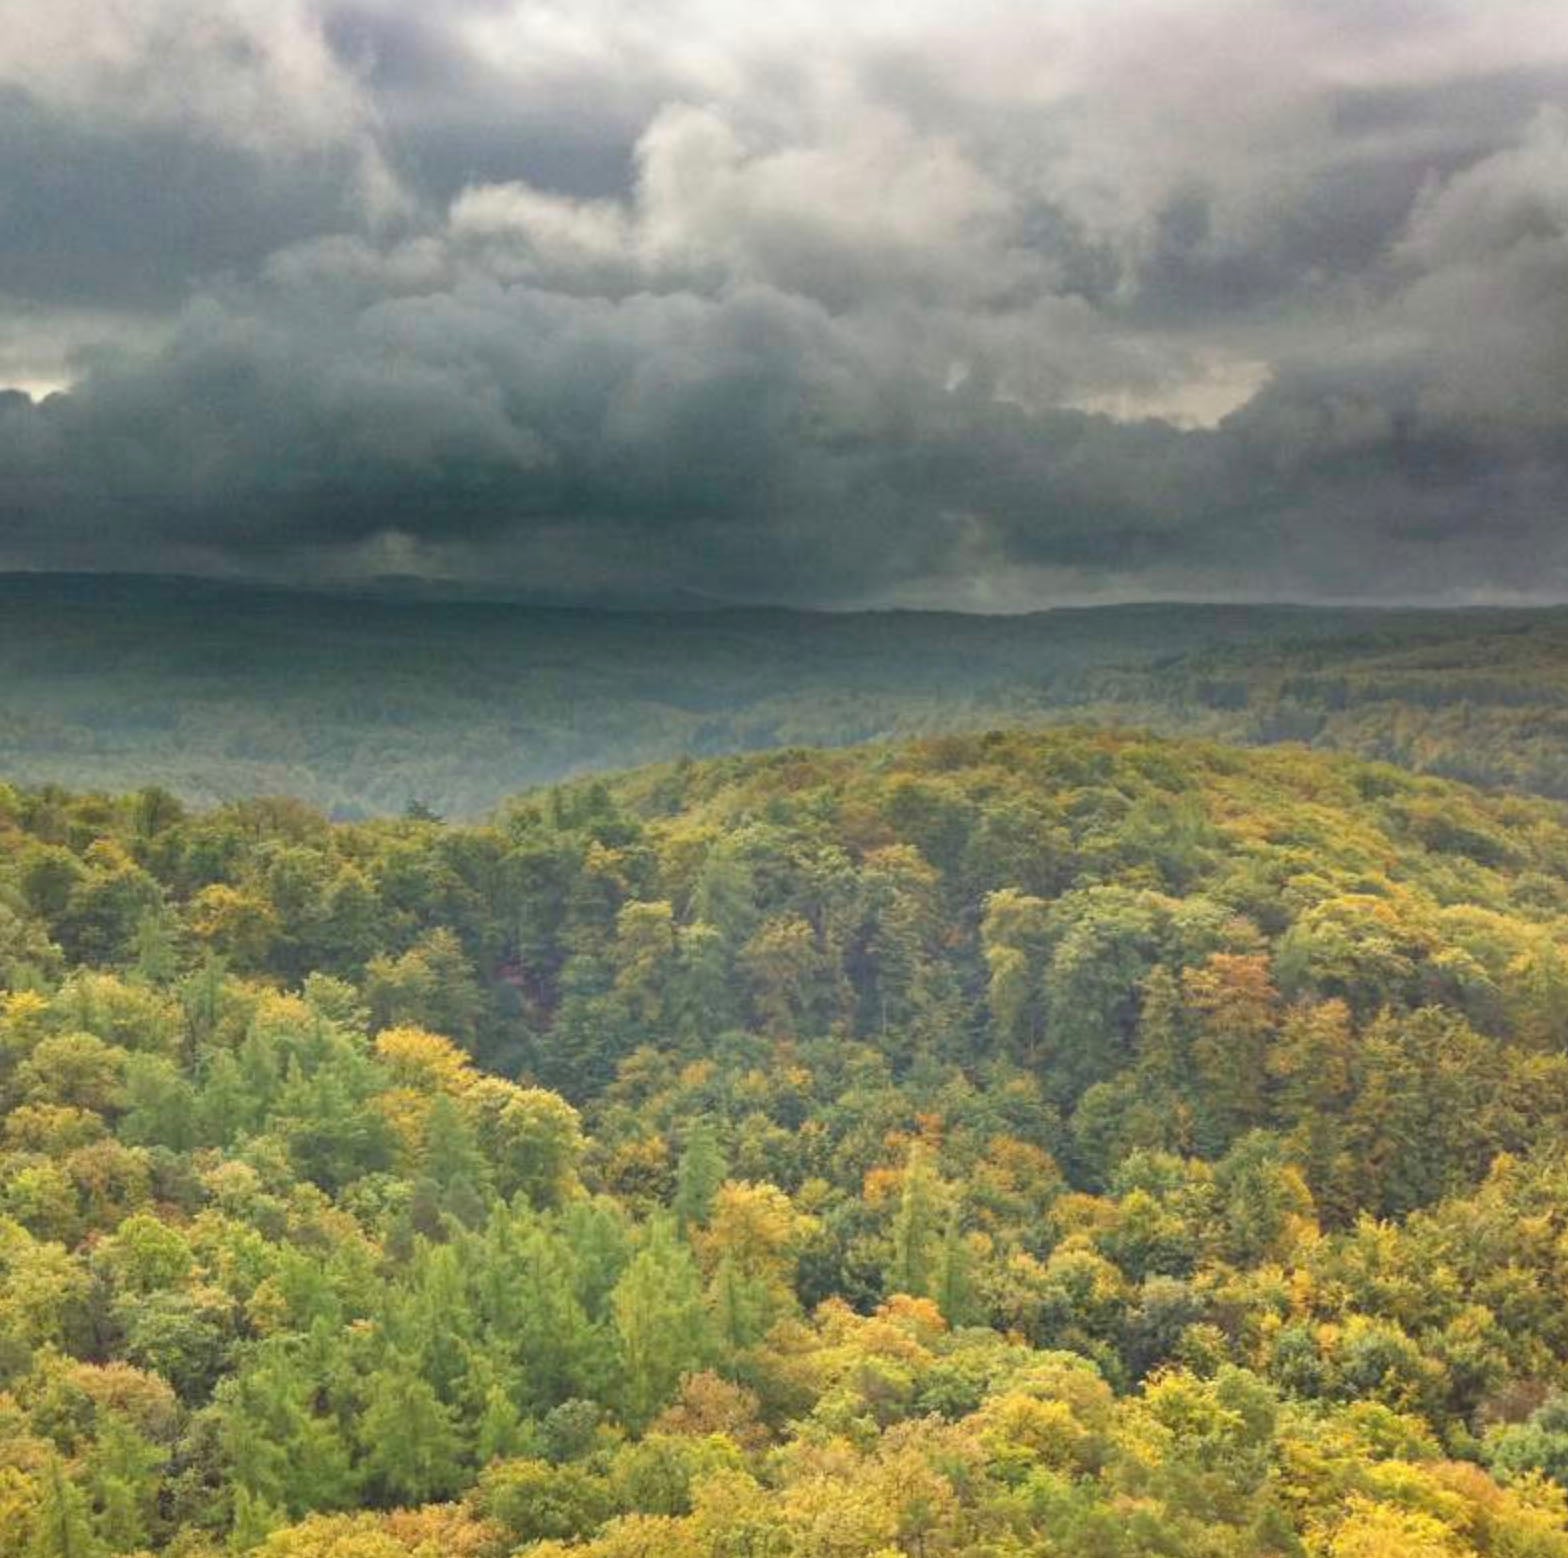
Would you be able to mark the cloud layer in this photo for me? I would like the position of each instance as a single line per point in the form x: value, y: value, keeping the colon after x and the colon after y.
x: 985, y: 306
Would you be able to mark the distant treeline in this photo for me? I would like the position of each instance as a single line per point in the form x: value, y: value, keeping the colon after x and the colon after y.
x: 362, y: 705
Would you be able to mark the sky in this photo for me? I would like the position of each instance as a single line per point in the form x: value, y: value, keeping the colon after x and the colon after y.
x: 969, y: 304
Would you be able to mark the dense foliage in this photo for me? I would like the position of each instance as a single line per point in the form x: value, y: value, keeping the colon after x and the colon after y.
x: 1010, y: 1144
x: 361, y: 705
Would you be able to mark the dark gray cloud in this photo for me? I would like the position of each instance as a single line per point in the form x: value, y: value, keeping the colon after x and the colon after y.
x: 986, y: 306
x: 96, y: 218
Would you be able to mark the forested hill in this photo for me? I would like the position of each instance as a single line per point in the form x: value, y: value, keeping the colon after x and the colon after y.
x: 1045, y: 1144
x: 362, y: 704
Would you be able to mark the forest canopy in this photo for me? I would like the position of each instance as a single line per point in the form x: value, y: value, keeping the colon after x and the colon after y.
x: 1061, y: 1143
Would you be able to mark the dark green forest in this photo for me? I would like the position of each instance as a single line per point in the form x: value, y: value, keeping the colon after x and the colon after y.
x: 363, y: 704
x: 1053, y: 1143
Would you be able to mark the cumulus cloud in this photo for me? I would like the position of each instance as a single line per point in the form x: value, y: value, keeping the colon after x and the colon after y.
x: 996, y: 308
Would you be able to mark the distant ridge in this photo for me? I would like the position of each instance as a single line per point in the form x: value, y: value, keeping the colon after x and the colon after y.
x: 362, y: 699
x: 401, y: 589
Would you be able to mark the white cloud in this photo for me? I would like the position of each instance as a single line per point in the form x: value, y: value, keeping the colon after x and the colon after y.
x: 258, y: 75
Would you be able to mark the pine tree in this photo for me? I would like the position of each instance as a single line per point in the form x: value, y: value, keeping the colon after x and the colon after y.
x: 954, y: 1288
x: 500, y: 1432
x: 917, y: 1227
x: 661, y: 1321
x: 454, y: 1161
x: 698, y: 1175
x: 409, y: 1442
x: 62, y: 1527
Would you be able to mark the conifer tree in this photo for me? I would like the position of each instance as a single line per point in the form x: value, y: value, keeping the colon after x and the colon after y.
x: 62, y: 1525
x: 660, y: 1320
x: 917, y: 1227
x: 698, y: 1175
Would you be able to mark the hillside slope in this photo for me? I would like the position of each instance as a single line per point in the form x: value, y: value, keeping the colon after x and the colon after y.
x: 1020, y: 1143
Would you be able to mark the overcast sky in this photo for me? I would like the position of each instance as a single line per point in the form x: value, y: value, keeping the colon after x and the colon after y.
x: 937, y: 302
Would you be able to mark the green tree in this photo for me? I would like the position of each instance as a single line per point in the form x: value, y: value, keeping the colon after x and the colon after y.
x: 923, y: 1214
x: 531, y: 1138
x: 661, y: 1321
x: 62, y: 1525
x: 698, y: 1175
x: 432, y: 986
x: 408, y: 1440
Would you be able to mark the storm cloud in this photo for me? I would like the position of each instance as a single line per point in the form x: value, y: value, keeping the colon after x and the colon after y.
x: 987, y: 306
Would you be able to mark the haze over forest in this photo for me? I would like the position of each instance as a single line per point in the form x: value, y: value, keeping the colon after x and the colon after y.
x: 369, y: 703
